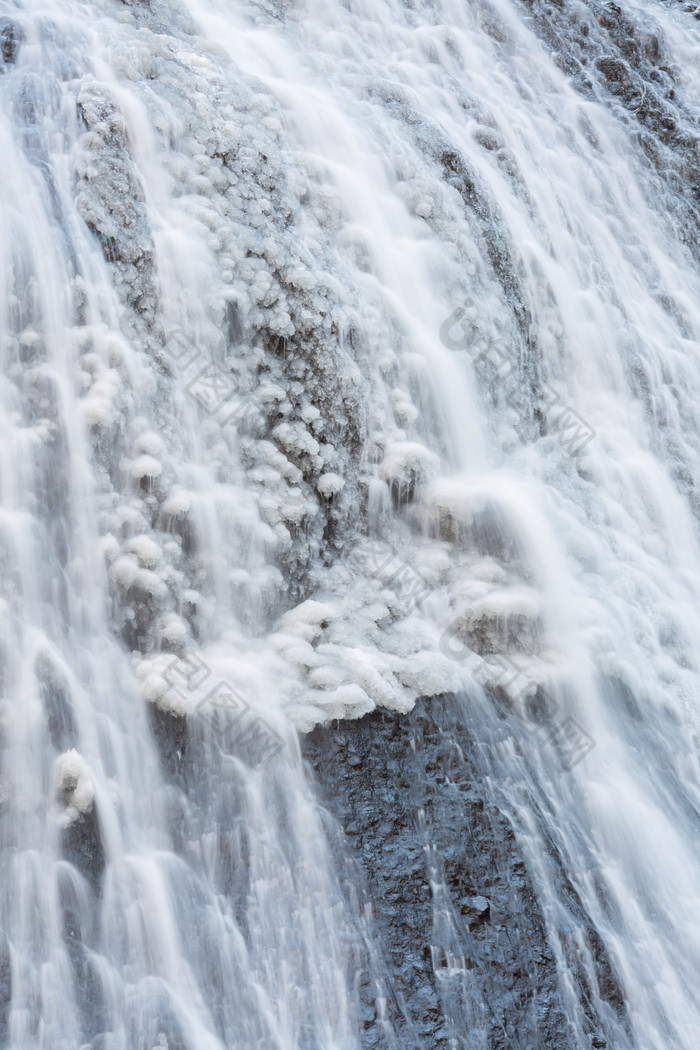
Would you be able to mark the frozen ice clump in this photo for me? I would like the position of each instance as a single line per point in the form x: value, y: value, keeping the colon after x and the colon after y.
x: 508, y: 619
x: 148, y: 444
x: 295, y: 439
x: 329, y: 676
x: 451, y: 508
x: 75, y: 786
x: 29, y: 337
x: 108, y: 546
x: 306, y: 620
x: 310, y: 414
x: 145, y: 467
x: 178, y: 502
x: 174, y: 631
x: 149, y: 583
x: 146, y: 550
x: 124, y: 571
x: 373, y: 675
x: 406, y: 464
x: 154, y: 688
x: 429, y: 674
x: 330, y: 485
x: 347, y: 701
x: 97, y: 411
x: 405, y: 412
x: 102, y: 387
x: 158, y: 678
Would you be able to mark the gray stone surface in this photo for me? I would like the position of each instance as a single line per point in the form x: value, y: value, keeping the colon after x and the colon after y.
x: 456, y: 918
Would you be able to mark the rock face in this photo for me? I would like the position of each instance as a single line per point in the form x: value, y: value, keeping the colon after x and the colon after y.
x: 456, y: 918
x: 626, y: 66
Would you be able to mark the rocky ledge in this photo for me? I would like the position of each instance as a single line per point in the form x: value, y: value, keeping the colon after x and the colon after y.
x: 466, y: 957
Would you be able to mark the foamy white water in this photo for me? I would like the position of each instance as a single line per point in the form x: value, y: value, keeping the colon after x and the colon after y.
x: 284, y: 290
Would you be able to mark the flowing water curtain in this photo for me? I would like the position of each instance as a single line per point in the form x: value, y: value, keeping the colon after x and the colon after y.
x: 234, y: 245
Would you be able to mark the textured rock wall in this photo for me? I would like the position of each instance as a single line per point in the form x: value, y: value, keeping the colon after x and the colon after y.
x: 457, y: 922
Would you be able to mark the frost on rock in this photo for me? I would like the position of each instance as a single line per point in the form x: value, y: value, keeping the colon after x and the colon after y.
x: 159, y: 687
x: 263, y: 406
x: 504, y: 620
x: 74, y: 786
x: 147, y: 552
x: 269, y: 319
x: 405, y: 466
x: 110, y: 195
x: 329, y: 485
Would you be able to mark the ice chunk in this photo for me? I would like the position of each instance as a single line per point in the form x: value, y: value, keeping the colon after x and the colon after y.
x: 124, y: 571
x: 504, y: 620
x: 173, y: 630
x: 329, y: 485
x: 146, y: 550
x: 305, y: 619
x: 108, y: 547
x: 406, y: 464
x: 295, y: 438
x: 178, y: 502
x: 428, y: 674
x: 148, y: 444
x: 146, y: 467
x: 97, y: 411
x: 75, y: 784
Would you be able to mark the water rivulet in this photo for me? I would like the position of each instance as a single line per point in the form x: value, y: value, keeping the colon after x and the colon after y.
x: 349, y: 555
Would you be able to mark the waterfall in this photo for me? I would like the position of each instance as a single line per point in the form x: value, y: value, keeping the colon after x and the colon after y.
x: 349, y: 373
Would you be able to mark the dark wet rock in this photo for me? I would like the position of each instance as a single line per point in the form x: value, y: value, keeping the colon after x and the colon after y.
x: 170, y: 732
x: 10, y: 39
x: 77, y: 934
x: 5, y: 988
x: 457, y: 945
x: 619, y: 77
x: 613, y: 56
x: 455, y: 913
x: 234, y: 327
x: 111, y: 199
x: 138, y: 615
x: 498, y: 249
x: 476, y: 910
x: 81, y: 845
x: 55, y: 696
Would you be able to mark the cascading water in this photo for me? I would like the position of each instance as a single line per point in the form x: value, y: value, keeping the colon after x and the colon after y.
x: 349, y: 357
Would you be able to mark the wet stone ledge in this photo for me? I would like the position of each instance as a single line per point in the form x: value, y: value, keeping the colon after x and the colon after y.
x: 456, y: 919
